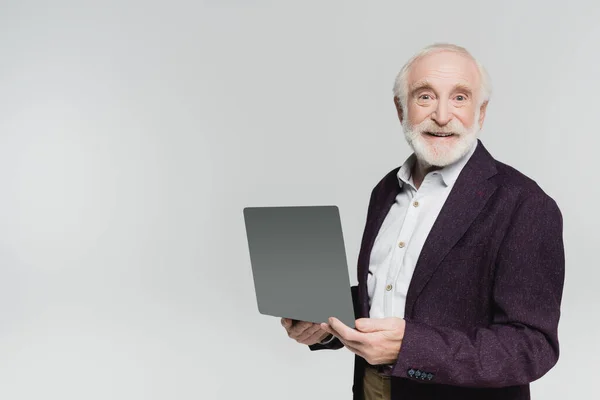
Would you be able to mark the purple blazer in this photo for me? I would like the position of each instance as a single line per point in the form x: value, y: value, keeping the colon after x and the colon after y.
x: 483, y: 305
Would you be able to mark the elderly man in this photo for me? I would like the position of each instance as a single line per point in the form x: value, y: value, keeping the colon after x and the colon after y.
x: 461, y: 266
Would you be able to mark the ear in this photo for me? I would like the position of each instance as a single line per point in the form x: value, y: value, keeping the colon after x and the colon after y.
x: 399, y: 109
x: 482, y: 110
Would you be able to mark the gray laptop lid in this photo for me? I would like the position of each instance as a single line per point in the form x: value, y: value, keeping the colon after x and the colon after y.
x: 299, y: 262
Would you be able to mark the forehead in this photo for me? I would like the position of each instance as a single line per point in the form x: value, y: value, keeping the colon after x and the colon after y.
x: 444, y: 69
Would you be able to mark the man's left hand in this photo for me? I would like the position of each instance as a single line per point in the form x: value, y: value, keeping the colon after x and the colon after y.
x: 377, y: 340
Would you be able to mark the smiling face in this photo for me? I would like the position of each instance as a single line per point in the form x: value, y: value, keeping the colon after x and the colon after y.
x: 443, y: 111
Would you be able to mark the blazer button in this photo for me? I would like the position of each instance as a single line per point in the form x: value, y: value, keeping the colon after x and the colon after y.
x: 429, y: 376
x: 411, y: 372
x: 418, y: 374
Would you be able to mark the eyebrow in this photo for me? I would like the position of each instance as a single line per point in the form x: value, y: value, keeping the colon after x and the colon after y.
x: 424, y: 84
x: 420, y: 85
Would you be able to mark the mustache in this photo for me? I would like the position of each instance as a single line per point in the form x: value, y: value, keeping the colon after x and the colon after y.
x: 453, y: 126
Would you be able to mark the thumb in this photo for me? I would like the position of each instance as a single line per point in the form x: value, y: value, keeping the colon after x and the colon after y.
x: 374, y: 324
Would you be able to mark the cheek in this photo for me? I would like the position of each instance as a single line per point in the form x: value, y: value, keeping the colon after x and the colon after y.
x: 466, y: 116
x: 416, y: 115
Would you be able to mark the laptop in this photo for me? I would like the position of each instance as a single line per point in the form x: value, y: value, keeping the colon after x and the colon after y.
x: 298, y: 262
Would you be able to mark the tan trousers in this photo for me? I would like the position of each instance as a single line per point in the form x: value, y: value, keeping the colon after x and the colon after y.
x: 376, y: 386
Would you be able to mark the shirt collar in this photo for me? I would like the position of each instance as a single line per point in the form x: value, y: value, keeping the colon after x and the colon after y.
x: 448, y: 174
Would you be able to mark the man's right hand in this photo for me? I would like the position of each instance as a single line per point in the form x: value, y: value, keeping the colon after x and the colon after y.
x: 307, y: 333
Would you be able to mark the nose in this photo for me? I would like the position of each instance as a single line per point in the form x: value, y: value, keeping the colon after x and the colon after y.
x: 441, y: 115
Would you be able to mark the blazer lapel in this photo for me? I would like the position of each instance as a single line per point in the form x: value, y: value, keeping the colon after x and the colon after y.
x: 469, y: 195
x: 467, y: 198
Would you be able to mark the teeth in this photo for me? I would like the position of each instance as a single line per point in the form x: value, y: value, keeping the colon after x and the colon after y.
x: 440, y: 134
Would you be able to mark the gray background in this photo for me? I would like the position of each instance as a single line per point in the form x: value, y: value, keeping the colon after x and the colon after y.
x: 133, y: 133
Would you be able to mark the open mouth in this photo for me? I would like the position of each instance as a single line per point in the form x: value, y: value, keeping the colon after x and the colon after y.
x: 440, y: 134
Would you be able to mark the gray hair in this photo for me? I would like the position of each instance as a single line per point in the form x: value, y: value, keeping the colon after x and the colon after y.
x: 401, y: 83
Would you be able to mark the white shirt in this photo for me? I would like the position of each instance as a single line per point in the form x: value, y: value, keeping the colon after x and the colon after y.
x: 402, y: 235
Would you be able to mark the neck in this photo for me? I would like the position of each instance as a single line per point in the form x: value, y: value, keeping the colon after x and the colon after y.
x: 419, y: 170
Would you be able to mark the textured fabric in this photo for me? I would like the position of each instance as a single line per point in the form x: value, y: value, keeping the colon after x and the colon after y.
x: 483, y: 305
x: 403, y: 233
x: 376, y: 386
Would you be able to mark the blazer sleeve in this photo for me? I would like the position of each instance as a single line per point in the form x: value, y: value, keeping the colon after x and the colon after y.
x: 521, y: 343
x: 336, y: 343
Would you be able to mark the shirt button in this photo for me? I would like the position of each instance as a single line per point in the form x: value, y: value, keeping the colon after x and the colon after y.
x: 401, y: 244
x: 388, y: 287
x: 416, y: 204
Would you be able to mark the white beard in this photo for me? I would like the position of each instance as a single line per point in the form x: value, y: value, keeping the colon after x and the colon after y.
x: 441, y: 152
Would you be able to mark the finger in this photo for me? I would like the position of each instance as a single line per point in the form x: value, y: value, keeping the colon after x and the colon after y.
x: 368, y: 325
x: 345, y: 331
x: 323, y: 336
x: 299, y: 327
x: 354, y: 347
x: 308, y: 333
x: 358, y: 350
x: 286, y: 322
x: 329, y: 329
x: 316, y: 337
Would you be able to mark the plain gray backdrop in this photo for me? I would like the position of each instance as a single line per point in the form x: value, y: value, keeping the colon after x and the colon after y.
x: 133, y: 133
